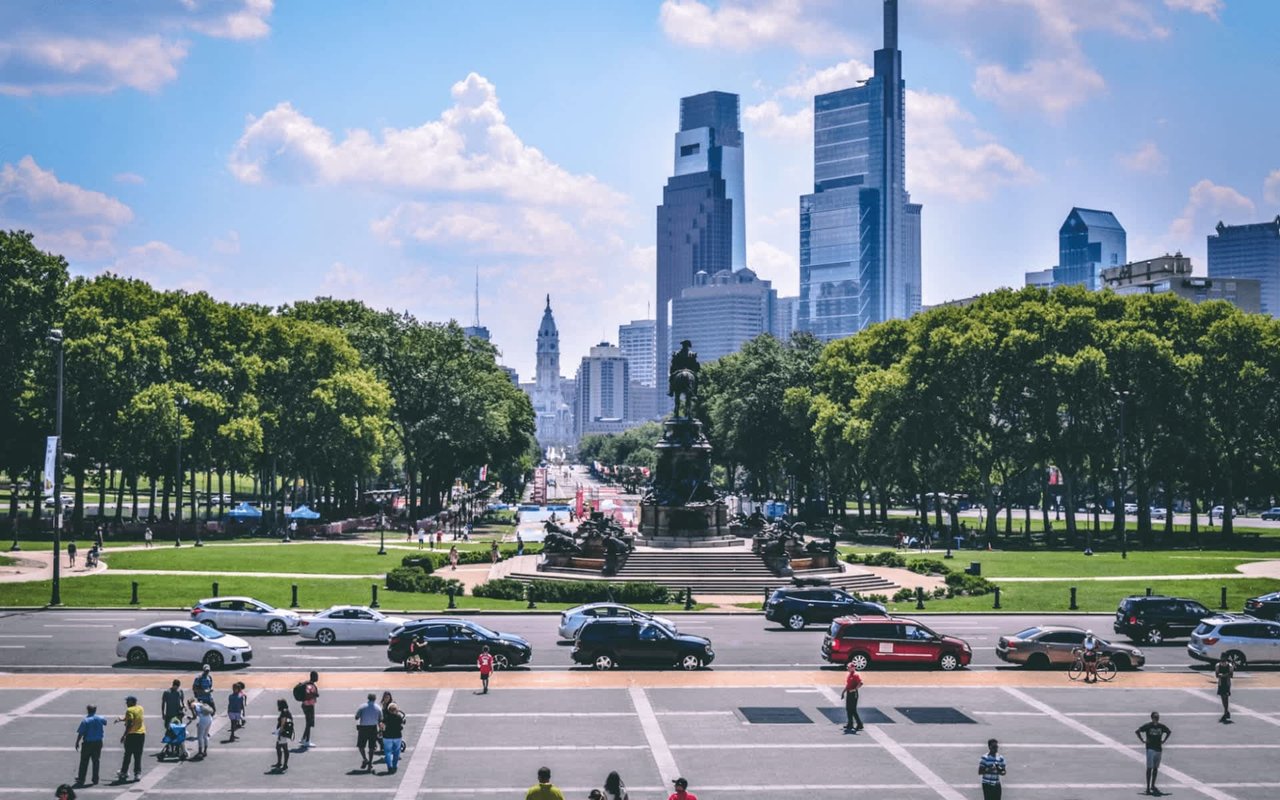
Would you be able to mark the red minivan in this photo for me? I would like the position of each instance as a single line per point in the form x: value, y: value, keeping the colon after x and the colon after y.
x: 892, y: 640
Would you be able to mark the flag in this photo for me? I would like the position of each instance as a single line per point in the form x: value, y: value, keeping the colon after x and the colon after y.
x: 50, y: 464
x: 484, y: 473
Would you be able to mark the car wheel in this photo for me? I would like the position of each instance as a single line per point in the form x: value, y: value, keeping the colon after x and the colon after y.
x: 276, y: 627
x: 948, y: 662
x: 796, y: 622
x: 209, y: 623
x: 1155, y: 637
x: 604, y: 661
x: 501, y: 662
x: 137, y: 657
x: 860, y: 661
x: 325, y: 636
x: 214, y: 660
x: 1121, y: 661
x: 1038, y: 661
x: 690, y: 662
x: 1236, y: 658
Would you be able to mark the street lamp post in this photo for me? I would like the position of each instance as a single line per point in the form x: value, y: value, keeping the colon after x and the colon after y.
x: 55, y: 597
x: 1123, y: 396
x: 177, y: 530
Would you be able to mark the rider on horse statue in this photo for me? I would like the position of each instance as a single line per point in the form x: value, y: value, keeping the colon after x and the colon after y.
x: 682, y: 378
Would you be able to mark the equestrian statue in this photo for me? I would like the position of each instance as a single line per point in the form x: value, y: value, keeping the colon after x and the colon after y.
x: 682, y: 379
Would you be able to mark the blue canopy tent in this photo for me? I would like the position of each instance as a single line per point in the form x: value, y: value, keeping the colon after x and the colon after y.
x: 302, y: 512
x: 244, y: 511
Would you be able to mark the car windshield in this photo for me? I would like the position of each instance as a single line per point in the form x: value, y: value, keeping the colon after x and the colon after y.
x: 1203, y: 628
x: 1027, y: 634
x: 207, y: 632
x: 480, y: 629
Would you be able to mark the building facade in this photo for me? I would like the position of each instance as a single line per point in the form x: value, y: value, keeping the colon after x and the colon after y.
x: 1171, y: 274
x: 859, y: 232
x: 553, y: 416
x: 1089, y: 242
x: 1249, y: 251
x: 603, y: 385
x: 638, y: 340
x: 784, y: 317
x: 722, y: 312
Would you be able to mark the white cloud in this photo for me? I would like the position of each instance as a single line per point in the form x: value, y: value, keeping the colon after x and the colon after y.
x: 1271, y: 188
x: 841, y: 76
x: 1210, y: 8
x: 92, y: 47
x: 487, y: 228
x: 772, y: 263
x: 129, y: 178
x: 1147, y: 159
x: 163, y: 266
x: 768, y: 119
x: 66, y: 218
x: 750, y: 25
x: 948, y: 155
x: 1052, y: 85
x: 228, y: 245
x: 470, y: 149
x: 1207, y: 203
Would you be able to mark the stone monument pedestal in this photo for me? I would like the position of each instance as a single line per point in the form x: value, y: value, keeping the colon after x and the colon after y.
x: 683, y: 510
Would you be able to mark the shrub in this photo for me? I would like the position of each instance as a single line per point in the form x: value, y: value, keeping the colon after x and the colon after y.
x: 878, y: 598
x: 928, y: 566
x: 939, y: 592
x: 500, y: 589
x: 434, y: 584
x: 439, y: 559
x: 974, y: 585
x: 903, y: 595
x: 416, y: 579
x: 423, y: 563
x: 885, y: 558
x: 573, y: 591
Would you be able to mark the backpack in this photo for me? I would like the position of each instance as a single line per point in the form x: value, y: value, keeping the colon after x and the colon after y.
x: 286, y: 730
x: 300, y: 691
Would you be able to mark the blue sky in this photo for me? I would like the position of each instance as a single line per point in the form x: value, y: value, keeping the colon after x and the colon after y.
x: 388, y: 150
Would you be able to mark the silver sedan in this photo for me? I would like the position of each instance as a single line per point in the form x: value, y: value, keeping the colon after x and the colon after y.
x: 571, y: 621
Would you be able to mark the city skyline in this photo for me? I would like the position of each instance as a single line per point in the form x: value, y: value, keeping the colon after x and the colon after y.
x: 213, y: 156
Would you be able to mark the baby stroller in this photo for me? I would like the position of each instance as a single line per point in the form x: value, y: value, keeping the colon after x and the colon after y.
x: 91, y: 560
x: 175, y: 740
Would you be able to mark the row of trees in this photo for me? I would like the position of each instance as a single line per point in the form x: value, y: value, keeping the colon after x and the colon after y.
x: 329, y: 395
x: 1150, y: 397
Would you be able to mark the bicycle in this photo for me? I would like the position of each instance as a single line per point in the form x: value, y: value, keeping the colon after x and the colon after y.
x: 1105, y: 669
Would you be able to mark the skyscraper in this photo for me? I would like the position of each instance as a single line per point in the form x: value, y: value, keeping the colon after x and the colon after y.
x: 638, y: 342
x: 1249, y: 251
x: 602, y: 392
x: 701, y: 222
x: 1089, y: 241
x: 859, y: 232
x: 722, y: 312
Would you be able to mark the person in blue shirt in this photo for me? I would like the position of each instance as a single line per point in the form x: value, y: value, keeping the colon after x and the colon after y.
x: 89, y: 742
x: 202, y: 688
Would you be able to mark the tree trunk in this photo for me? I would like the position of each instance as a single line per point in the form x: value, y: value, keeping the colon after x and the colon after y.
x: 1044, y: 511
x: 119, y: 489
x: 993, y: 515
x: 102, y: 491
x: 77, y: 513
x: 164, y: 503
x: 1195, y: 518
x: 1069, y: 500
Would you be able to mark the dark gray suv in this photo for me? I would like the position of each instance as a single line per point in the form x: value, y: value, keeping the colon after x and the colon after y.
x: 1156, y: 618
x: 795, y: 608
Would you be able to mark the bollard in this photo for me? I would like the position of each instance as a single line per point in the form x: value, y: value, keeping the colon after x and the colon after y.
x: 1222, y: 602
x: 1073, y: 605
x: 451, y: 603
x: 919, y: 598
x: 765, y: 604
x: 688, y: 598
x: 294, y: 602
x: 133, y: 599
x: 215, y: 588
x: 996, y: 604
x: 373, y: 587
x: 1148, y: 591
x: 529, y: 593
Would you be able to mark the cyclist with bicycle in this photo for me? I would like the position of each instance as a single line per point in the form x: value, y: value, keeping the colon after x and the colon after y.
x: 1090, y: 656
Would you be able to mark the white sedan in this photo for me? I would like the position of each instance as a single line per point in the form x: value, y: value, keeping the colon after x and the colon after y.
x: 182, y: 641
x: 571, y: 621
x: 348, y: 624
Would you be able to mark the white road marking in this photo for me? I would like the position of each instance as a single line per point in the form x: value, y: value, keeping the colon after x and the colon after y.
x: 13, y: 647
x: 161, y: 770
x: 78, y: 627
x: 415, y: 773
x: 516, y: 748
x: 1102, y: 738
x: 31, y: 705
x: 26, y: 635
x: 1235, y: 707
x: 653, y: 733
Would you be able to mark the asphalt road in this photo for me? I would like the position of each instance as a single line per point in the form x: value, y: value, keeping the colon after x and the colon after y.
x: 84, y: 641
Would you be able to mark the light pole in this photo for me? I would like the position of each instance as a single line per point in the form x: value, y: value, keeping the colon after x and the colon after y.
x: 177, y: 531
x: 1123, y: 396
x: 55, y: 597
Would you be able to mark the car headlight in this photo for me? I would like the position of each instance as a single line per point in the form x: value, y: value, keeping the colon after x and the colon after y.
x: 1137, y: 652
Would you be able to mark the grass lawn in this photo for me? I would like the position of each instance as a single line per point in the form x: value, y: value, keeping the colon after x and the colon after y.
x: 1098, y: 595
x: 5, y: 561
x: 1054, y: 563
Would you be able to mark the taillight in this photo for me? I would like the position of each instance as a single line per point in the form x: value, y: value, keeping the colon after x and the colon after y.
x: 304, y: 623
x: 1011, y: 645
x: 1133, y: 620
x: 1210, y: 640
x: 394, y: 640
x: 197, y: 611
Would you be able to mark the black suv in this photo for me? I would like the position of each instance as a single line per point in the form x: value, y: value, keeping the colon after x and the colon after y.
x: 608, y: 643
x: 456, y: 641
x: 795, y: 608
x: 1154, y: 618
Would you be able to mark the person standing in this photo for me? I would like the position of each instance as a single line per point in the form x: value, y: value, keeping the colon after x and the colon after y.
x: 367, y: 716
x: 133, y: 739
x: 422, y: 537
x: 203, y: 716
x: 852, y: 683
x: 1154, y: 734
x: 614, y: 788
x: 202, y: 687
x: 173, y: 703
x: 146, y: 538
x: 98, y: 540
x: 284, y: 734
x: 1224, y: 672
x: 991, y: 767
x: 89, y: 736
x: 681, y: 792
x: 485, y: 662
x: 453, y: 557
x: 545, y: 789
x: 237, y: 708
x: 1090, y: 656
x: 71, y: 554
x: 310, y: 693
x: 519, y: 545
x: 494, y: 553
x: 392, y: 736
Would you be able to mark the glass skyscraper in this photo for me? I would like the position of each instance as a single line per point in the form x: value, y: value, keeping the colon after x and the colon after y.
x: 859, y: 232
x: 1089, y: 241
x: 1249, y: 251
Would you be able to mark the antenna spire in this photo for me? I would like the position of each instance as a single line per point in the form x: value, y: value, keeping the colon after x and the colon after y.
x: 476, y: 321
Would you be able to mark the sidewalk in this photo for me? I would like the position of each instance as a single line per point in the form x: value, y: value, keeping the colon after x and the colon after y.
x: 37, y: 565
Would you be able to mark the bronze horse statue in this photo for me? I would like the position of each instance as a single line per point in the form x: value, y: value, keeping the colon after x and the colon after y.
x: 684, y: 384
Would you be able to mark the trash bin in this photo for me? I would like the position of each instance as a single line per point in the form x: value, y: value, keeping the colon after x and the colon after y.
x: 975, y: 568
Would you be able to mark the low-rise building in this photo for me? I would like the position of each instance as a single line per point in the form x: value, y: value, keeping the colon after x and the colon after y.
x: 1171, y: 274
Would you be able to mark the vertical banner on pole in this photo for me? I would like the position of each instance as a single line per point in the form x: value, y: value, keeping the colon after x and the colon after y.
x: 50, y: 464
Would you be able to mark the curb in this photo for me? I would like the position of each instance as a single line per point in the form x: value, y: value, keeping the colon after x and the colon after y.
x: 470, y: 612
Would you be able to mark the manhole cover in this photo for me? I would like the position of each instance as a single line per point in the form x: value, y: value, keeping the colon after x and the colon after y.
x: 935, y: 715
x: 774, y: 715
x: 870, y: 715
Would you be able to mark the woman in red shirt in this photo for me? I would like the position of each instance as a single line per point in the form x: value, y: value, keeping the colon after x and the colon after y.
x: 852, y: 683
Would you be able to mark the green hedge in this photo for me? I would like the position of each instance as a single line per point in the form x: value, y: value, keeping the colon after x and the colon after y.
x: 928, y: 566
x: 884, y: 558
x: 416, y: 579
x: 960, y: 583
x: 438, y: 559
x: 501, y: 589
x: 573, y: 591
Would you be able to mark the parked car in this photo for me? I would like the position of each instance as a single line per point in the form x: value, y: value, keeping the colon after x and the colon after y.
x: 244, y: 614
x: 1159, y: 513
x: 865, y: 641
x: 796, y: 607
x: 1054, y: 645
x: 571, y: 621
x: 182, y: 641
x: 349, y: 624
x: 1157, y: 617
x: 1272, y: 513
x: 1240, y: 638
x: 457, y: 641
x: 1217, y: 512
x: 606, y: 643
x: 1131, y: 508
x: 1266, y: 606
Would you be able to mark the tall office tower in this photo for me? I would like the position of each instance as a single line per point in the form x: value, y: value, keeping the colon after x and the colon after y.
x: 1249, y: 251
x: 859, y: 232
x: 602, y: 385
x: 638, y: 342
x: 1089, y: 241
x: 784, y: 317
x: 722, y: 312
x: 701, y: 222
x: 553, y: 416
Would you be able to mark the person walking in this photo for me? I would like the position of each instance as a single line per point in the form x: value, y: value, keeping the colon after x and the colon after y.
x: 422, y: 537
x: 1154, y: 734
x: 392, y: 736
x: 453, y: 557
x: 310, y: 693
x: 485, y: 662
x: 544, y: 789
x: 386, y: 701
x: 71, y: 555
x: 284, y: 734
x: 852, y: 683
x: 98, y: 540
x: 146, y: 538
x: 494, y: 553
x: 367, y: 717
x: 89, y: 736
x: 173, y: 703
x: 614, y: 788
x: 202, y: 687
x: 681, y: 792
x: 1224, y: 672
x: 202, y: 714
x: 133, y: 739
x: 440, y: 536
x: 991, y: 767
x: 519, y: 545
x: 237, y: 708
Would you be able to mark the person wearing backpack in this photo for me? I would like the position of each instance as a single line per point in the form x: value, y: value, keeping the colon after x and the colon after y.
x: 202, y: 687
x: 306, y: 692
x: 284, y: 734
